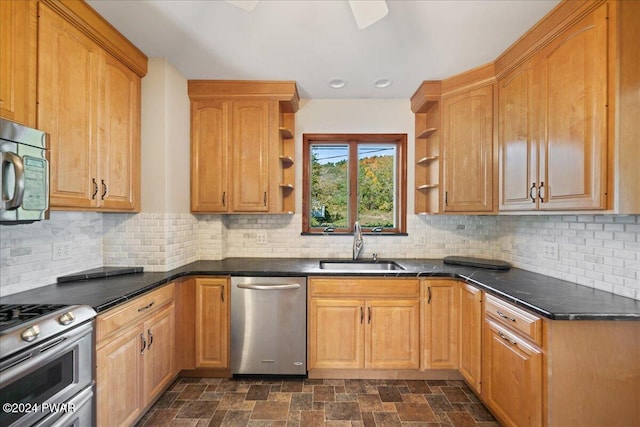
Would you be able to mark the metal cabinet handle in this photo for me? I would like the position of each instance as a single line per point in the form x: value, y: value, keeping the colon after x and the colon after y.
x: 540, y: 194
x: 143, y: 341
x: 222, y: 294
x: 146, y: 307
x: 429, y: 292
x: 504, y: 316
x: 224, y: 198
x: 150, y: 338
x: 531, y: 192
x: 104, y: 189
x: 264, y: 198
x: 506, y: 338
x: 95, y: 188
x: 369, y: 310
x: 361, y: 315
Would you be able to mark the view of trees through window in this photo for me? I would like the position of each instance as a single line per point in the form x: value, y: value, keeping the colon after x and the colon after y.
x: 330, y: 179
x: 354, y: 177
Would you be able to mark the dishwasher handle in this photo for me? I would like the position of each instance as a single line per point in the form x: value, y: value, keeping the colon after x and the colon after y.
x: 259, y: 287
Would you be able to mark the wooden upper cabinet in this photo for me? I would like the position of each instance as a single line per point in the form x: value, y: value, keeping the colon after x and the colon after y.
x: 250, y: 156
x: 467, y: 134
x: 210, y: 156
x: 18, y: 55
x: 242, y: 146
x: 574, y: 148
x: 89, y: 103
x: 119, y: 137
x: 518, y: 139
x: 67, y: 109
x: 553, y: 123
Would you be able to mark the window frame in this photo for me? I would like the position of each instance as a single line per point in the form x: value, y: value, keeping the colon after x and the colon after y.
x: 352, y: 140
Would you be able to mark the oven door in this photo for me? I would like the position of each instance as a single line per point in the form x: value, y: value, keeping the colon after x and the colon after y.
x: 54, y: 371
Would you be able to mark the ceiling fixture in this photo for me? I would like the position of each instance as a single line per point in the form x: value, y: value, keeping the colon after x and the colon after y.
x: 382, y: 83
x: 366, y: 12
x: 337, y: 83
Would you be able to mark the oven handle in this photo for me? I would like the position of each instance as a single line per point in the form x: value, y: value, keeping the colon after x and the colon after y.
x: 18, y: 193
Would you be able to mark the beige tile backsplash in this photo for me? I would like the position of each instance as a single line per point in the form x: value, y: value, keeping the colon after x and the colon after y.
x: 599, y: 251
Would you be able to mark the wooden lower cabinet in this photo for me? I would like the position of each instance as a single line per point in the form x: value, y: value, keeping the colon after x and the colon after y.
x: 470, y: 334
x: 512, y: 377
x: 353, y: 326
x: 336, y: 334
x: 212, y: 323
x: 134, y: 356
x: 392, y: 337
x: 118, y: 374
x: 441, y: 324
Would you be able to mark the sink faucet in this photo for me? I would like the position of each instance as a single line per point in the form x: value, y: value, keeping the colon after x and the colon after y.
x: 358, y: 242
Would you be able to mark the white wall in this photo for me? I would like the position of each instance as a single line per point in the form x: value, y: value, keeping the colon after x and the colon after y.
x: 165, y: 140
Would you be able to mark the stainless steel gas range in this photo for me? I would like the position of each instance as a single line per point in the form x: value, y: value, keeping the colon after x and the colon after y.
x: 47, y: 365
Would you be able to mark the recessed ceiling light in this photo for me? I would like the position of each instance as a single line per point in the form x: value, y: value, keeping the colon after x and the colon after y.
x: 337, y: 83
x: 382, y: 83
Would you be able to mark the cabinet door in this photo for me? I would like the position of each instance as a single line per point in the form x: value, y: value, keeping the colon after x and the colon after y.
x: 518, y: 139
x: 468, y: 151
x: 118, y: 379
x: 573, y: 157
x: 250, y: 156
x: 158, y: 356
x: 119, y: 137
x: 336, y: 334
x: 18, y: 54
x: 392, y: 337
x: 511, y: 377
x: 470, y: 362
x: 212, y: 323
x: 209, y: 156
x: 441, y: 325
x: 68, y: 64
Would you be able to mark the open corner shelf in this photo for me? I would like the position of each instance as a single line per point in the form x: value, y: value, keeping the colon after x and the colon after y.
x: 426, y: 133
x: 285, y: 133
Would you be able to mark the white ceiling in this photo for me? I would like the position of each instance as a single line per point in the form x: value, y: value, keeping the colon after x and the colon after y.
x: 313, y: 42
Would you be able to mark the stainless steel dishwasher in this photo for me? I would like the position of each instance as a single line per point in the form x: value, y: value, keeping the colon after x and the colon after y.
x: 269, y: 325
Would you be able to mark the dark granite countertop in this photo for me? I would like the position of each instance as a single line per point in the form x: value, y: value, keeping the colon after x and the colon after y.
x: 549, y: 297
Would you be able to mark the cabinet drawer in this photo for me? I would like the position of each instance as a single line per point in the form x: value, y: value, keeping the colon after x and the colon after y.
x: 364, y: 288
x: 133, y: 311
x: 519, y: 320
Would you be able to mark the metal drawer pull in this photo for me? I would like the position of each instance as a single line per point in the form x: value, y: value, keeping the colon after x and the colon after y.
x: 146, y: 307
x: 506, y: 338
x: 504, y: 316
x: 268, y: 287
x: 144, y: 343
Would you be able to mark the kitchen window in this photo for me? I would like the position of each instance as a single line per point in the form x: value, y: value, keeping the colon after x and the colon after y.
x: 354, y: 177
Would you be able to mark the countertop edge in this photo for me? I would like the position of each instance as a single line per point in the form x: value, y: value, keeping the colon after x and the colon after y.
x: 419, y: 269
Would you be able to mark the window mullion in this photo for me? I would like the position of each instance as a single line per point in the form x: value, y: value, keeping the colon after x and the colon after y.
x: 353, y: 182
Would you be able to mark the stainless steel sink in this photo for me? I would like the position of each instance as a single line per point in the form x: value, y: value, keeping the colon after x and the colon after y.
x: 359, y: 265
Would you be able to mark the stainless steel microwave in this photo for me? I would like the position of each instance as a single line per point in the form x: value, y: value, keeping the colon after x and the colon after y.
x: 24, y: 179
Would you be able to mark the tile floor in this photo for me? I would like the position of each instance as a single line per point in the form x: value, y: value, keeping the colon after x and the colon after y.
x: 205, y: 402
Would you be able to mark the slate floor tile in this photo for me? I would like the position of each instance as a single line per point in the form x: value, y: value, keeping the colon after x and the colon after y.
x: 215, y: 402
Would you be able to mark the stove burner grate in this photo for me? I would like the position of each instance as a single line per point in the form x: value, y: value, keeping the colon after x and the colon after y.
x: 15, y: 314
